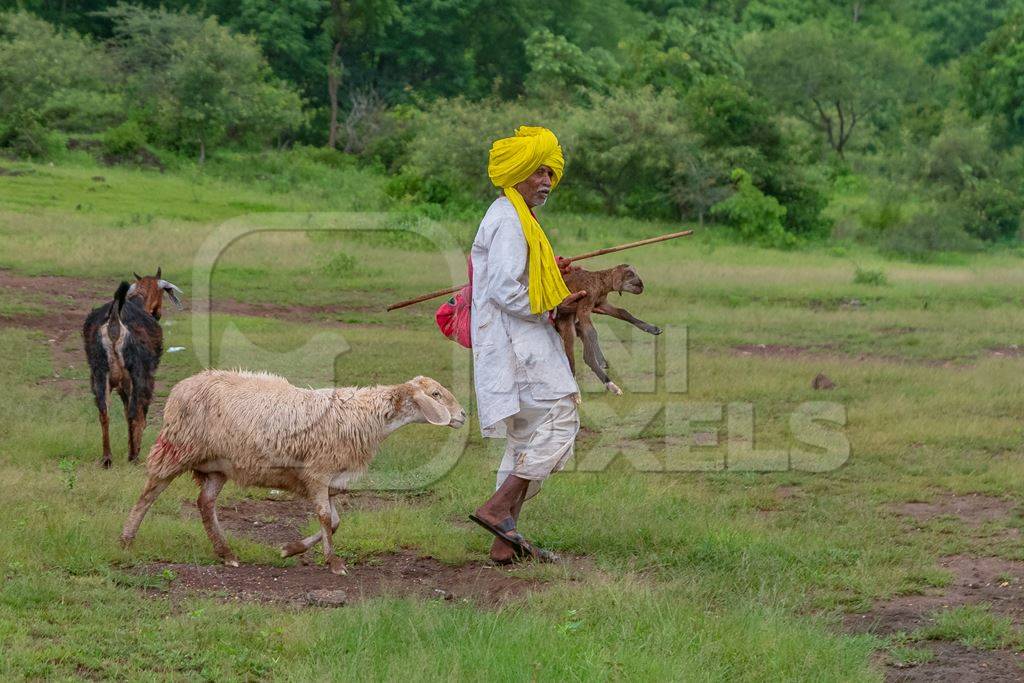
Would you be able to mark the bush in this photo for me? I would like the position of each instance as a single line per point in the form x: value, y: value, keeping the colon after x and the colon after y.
x: 124, y: 140
x: 868, y: 276
x: 630, y: 153
x: 50, y: 79
x: 756, y: 217
x: 926, y: 233
x: 446, y: 161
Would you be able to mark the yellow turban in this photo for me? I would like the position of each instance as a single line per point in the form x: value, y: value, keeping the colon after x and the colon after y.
x: 513, y: 160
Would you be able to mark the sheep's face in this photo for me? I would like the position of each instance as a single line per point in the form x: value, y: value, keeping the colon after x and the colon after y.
x: 627, y: 280
x: 433, y: 403
x: 150, y: 290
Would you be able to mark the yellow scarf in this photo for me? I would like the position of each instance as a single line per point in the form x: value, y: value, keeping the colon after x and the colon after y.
x: 513, y: 160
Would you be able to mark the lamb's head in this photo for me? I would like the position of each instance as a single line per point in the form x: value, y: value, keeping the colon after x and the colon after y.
x: 625, y: 279
x: 427, y: 400
x: 150, y: 290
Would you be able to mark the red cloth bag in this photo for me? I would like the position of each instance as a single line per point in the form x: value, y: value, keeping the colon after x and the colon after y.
x: 454, y: 317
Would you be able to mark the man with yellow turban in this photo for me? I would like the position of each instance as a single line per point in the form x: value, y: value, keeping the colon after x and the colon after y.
x: 524, y: 387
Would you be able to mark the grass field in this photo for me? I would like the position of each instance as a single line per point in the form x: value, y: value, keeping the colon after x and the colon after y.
x: 688, y: 560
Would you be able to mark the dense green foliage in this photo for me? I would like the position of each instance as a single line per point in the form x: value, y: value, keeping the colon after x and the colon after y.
x: 863, y: 120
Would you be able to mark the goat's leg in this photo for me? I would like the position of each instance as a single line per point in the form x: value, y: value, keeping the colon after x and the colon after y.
x: 99, y: 391
x: 136, y: 409
x: 210, y: 485
x: 322, y: 501
x: 126, y: 400
x: 623, y: 314
x: 297, y: 547
x: 564, y: 325
x: 154, y: 487
x: 592, y: 354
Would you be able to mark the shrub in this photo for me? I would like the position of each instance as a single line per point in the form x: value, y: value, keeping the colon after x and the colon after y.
x: 756, y: 217
x: 50, y: 79
x: 868, y: 276
x: 124, y: 140
x: 927, y: 233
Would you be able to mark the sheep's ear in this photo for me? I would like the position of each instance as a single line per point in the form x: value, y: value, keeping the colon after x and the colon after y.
x: 435, y: 412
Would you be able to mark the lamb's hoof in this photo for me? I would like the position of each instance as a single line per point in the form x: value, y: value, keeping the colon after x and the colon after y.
x: 230, y: 561
x: 125, y: 542
x: 293, y: 548
x: 105, y: 463
x: 612, y: 387
x: 337, y: 566
x: 654, y: 330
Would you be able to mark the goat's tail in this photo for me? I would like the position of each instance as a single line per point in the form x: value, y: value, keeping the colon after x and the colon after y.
x: 119, y: 298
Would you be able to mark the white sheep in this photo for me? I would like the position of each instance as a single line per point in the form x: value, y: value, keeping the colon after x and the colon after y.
x: 256, y: 429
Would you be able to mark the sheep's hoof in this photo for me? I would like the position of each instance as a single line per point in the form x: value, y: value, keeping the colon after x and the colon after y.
x: 105, y: 463
x: 126, y: 542
x: 654, y: 330
x: 612, y: 387
x: 230, y: 562
x: 337, y: 566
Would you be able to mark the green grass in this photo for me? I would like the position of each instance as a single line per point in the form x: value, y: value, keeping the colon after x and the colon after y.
x: 698, y: 575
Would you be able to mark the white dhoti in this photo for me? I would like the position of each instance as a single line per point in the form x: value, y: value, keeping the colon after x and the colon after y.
x: 539, y: 439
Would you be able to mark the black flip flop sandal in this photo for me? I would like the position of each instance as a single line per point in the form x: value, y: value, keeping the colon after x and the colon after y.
x: 506, y: 531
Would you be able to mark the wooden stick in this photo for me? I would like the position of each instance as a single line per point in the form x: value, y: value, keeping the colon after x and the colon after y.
x: 640, y: 243
x: 589, y: 254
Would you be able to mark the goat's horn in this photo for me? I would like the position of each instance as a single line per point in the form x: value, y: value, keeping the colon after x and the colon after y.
x: 171, y: 288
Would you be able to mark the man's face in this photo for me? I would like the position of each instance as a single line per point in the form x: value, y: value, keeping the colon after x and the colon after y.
x: 537, y: 187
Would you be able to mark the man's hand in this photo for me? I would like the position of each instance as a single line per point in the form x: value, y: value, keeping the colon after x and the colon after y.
x: 565, y: 265
x: 568, y: 304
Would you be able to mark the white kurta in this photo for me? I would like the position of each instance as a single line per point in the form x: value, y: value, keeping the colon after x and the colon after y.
x: 512, y: 347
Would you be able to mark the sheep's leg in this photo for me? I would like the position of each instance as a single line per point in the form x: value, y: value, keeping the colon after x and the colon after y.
x: 564, y: 325
x: 297, y: 547
x: 99, y: 390
x: 623, y: 314
x: 209, y: 488
x: 154, y: 487
x: 323, y: 511
x: 593, y: 356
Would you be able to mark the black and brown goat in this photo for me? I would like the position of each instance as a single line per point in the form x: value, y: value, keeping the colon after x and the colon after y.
x: 123, y: 344
x: 575, y: 319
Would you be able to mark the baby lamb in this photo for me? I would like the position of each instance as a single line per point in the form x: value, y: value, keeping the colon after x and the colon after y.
x: 256, y: 429
x: 598, y: 285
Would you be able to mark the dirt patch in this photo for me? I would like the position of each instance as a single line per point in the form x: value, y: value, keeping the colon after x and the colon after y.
x: 972, y: 509
x: 402, y: 574
x: 291, y: 313
x: 276, y: 522
x: 992, y: 580
x: 776, y: 350
x: 955, y: 662
x: 1012, y: 351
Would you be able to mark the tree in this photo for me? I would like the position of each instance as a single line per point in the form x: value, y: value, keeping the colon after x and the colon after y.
x: 992, y: 78
x: 561, y: 70
x: 829, y: 79
x: 358, y: 21
x: 50, y: 78
x: 197, y: 84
